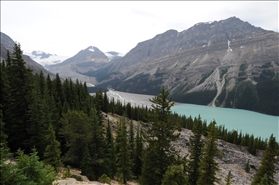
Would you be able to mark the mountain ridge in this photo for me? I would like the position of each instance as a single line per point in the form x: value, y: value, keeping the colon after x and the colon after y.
x: 217, y: 63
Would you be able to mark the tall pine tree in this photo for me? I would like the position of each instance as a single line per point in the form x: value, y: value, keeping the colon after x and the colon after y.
x: 16, y: 115
x: 124, y: 163
x: 195, y: 151
x: 138, y: 153
x: 268, y: 162
x: 52, y: 154
x: 208, y: 166
x: 159, y: 154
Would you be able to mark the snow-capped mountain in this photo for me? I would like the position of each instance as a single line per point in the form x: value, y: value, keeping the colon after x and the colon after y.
x: 88, y: 59
x: 46, y: 59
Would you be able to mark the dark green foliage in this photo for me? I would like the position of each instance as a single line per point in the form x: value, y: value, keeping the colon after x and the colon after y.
x: 106, y: 103
x: 97, y: 146
x: 228, y: 179
x: 16, y: 116
x: 268, y: 162
x: 200, y: 98
x: 3, y: 135
x: 86, y: 164
x: 40, y: 117
x: 104, y: 179
x: 4, y: 98
x: 138, y: 153
x: 264, y: 180
x: 208, y: 166
x: 76, y: 129
x: 247, y: 166
x: 159, y: 154
x: 9, y: 173
x: 175, y: 176
x: 195, y: 152
x: 35, y: 171
x: 52, y: 154
x: 131, y: 142
x: 124, y: 162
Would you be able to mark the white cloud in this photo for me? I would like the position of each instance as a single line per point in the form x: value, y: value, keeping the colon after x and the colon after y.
x: 67, y: 27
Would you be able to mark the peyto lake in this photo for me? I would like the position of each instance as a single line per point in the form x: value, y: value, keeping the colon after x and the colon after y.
x: 260, y: 125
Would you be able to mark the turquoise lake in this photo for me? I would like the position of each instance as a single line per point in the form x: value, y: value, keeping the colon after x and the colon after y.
x: 261, y: 125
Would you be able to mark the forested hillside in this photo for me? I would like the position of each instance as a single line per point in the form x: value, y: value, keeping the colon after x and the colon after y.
x: 47, y: 124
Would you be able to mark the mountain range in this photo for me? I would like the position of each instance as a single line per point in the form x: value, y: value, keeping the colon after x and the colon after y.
x: 45, y: 59
x: 89, y: 59
x: 227, y: 63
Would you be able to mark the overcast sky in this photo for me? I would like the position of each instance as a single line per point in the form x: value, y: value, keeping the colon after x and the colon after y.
x: 64, y: 28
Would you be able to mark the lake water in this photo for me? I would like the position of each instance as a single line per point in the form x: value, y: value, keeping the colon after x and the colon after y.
x: 261, y: 125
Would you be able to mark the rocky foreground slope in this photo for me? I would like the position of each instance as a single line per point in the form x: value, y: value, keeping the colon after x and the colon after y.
x: 231, y: 158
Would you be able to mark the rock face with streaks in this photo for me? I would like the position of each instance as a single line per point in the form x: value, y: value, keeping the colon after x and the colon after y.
x: 228, y: 63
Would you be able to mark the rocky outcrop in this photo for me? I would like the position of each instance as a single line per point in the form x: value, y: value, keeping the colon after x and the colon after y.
x: 231, y: 158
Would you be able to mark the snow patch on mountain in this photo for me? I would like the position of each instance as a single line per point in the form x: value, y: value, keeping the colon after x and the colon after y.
x: 45, y: 59
x: 113, y: 55
x: 91, y: 48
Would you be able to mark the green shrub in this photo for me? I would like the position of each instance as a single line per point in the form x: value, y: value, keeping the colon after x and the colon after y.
x: 104, y: 179
x: 77, y: 177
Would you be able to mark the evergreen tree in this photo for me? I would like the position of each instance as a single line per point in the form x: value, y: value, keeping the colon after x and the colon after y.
x: 124, y: 163
x: 138, y: 153
x: 4, y: 90
x: 228, y: 179
x: 247, y: 166
x: 9, y: 173
x: 106, y: 103
x: 159, y: 154
x: 76, y: 130
x: 208, y: 166
x: 35, y: 171
x: 268, y: 162
x: 3, y: 135
x: 86, y: 165
x: 132, y: 141
x: 195, y: 151
x: 264, y: 180
x: 16, y: 116
x: 39, y: 120
x: 175, y: 176
x: 52, y: 155
x: 98, y: 147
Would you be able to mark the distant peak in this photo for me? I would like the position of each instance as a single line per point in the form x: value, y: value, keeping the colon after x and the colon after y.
x: 92, y: 48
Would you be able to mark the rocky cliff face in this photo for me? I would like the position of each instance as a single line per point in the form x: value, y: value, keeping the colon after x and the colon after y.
x: 228, y: 63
